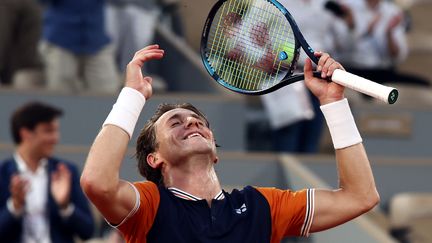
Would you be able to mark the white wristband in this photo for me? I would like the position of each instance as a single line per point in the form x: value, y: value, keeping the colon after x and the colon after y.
x: 126, y: 110
x: 343, y: 130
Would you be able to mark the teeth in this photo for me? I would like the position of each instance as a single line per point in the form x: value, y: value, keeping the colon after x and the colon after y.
x: 194, y: 135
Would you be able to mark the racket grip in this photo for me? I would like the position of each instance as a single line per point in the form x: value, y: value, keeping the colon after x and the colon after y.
x: 365, y: 86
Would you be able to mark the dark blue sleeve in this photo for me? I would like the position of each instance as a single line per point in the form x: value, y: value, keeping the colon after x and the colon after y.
x: 10, y: 227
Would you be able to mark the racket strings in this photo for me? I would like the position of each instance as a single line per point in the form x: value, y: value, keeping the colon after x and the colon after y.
x: 231, y: 71
x: 253, y: 77
x: 230, y: 68
x: 245, y: 40
x: 258, y: 27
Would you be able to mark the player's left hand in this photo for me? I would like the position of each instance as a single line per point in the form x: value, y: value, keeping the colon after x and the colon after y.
x: 134, y: 76
x: 326, y: 92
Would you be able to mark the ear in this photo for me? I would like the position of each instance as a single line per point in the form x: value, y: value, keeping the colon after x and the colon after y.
x: 154, y: 160
x: 24, y: 133
x: 216, y: 160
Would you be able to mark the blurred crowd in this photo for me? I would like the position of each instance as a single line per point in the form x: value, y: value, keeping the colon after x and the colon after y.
x: 76, y: 45
x: 85, y: 45
x: 369, y: 37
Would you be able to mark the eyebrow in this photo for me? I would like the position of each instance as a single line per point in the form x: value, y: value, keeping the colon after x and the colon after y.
x: 193, y: 114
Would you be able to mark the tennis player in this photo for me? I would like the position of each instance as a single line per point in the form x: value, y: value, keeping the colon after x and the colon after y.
x: 183, y: 201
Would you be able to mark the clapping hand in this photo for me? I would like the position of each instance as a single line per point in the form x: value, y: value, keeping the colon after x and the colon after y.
x: 61, y: 185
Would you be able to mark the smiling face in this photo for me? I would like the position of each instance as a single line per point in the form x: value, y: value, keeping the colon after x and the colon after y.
x: 182, y: 134
x: 42, y: 140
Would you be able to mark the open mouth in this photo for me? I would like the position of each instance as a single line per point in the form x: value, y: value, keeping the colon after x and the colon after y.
x: 195, y: 134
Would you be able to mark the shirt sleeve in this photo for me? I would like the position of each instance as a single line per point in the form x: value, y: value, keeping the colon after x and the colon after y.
x: 137, y: 224
x: 291, y: 212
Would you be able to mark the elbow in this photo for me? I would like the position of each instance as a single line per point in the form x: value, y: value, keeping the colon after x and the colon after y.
x: 370, y: 200
x: 94, y: 189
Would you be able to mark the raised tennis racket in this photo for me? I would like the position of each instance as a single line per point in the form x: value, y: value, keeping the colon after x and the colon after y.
x: 252, y: 47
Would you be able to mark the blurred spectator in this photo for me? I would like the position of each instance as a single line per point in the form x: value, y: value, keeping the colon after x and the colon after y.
x: 171, y: 16
x: 76, y: 47
x: 20, y: 27
x: 377, y: 42
x: 131, y: 25
x: 297, y: 126
x: 40, y: 196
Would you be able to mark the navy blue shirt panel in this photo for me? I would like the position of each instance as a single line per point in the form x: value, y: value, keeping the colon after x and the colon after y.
x: 243, y: 216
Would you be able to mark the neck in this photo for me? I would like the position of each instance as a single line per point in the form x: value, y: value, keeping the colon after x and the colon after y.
x: 197, y: 177
x: 30, y: 159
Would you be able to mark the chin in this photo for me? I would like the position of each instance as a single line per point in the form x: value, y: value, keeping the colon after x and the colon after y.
x: 202, y: 150
x: 47, y: 152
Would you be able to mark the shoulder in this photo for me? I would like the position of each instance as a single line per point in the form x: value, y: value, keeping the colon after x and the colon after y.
x: 273, y: 194
x: 7, y: 165
x: 148, y: 185
x: 6, y: 162
x: 146, y: 188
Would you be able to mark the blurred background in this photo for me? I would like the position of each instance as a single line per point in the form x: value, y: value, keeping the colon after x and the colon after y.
x: 73, y: 55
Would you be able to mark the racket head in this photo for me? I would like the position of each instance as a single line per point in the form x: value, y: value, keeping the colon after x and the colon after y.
x: 250, y: 46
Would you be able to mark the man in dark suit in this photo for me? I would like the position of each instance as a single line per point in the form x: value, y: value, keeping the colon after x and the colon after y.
x: 40, y: 196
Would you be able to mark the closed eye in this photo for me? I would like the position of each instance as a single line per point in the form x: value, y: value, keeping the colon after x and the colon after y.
x: 174, y: 124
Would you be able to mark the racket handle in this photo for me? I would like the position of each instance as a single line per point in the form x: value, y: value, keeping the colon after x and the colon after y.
x: 365, y: 86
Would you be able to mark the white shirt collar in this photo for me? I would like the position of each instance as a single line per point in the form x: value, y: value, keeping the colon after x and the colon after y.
x: 184, y: 195
x: 22, y: 165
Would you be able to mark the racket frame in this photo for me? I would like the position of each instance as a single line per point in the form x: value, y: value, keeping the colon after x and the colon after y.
x: 289, y: 78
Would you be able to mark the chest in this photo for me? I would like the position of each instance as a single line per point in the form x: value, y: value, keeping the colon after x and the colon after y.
x: 237, y: 218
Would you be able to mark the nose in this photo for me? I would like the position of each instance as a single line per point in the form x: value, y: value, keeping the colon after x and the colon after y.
x: 193, y: 121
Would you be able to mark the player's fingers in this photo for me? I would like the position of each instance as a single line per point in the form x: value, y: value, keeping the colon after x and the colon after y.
x: 333, y: 67
x: 307, y: 69
x: 148, y: 79
x: 322, y: 60
x: 318, y: 54
x: 150, y: 47
x: 325, y: 68
x: 148, y: 55
x: 134, y: 66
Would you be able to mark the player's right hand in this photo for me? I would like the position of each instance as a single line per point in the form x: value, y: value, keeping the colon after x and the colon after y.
x: 134, y: 76
x: 326, y: 92
x: 18, y: 189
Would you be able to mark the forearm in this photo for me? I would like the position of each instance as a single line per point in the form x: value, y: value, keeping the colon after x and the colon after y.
x: 356, y: 193
x: 101, y: 172
x: 104, y: 160
x: 355, y: 173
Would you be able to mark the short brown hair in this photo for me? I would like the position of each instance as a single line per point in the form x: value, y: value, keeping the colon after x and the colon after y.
x: 30, y: 115
x: 146, y: 142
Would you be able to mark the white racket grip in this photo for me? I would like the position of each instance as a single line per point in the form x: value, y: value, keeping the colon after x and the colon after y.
x: 365, y: 86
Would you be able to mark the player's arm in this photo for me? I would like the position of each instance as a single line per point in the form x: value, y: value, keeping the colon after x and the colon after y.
x: 357, y: 193
x: 100, y: 180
